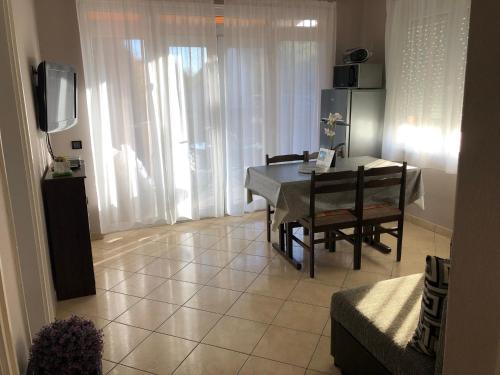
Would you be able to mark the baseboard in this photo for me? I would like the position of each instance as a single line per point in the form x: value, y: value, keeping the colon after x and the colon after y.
x: 443, y: 231
x: 96, y: 236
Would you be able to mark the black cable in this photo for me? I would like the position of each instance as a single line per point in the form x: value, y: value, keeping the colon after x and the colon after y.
x: 49, y: 147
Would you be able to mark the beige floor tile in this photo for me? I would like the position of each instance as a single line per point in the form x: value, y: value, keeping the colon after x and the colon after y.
x: 263, y: 249
x: 147, y: 314
x: 408, y: 267
x: 209, y: 360
x: 287, y: 345
x: 339, y: 259
x: 138, y: 285
x: 174, y: 291
x: 124, y: 370
x: 272, y: 286
x: 189, y: 227
x: 215, y: 258
x: 160, y: 354
x: 263, y: 236
x: 244, y: 233
x: 213, y: 299
x: 107, y: 366
x: 327, y: 275
x: 231, y: 244
x: 255, y: 307
x: 106, y: 278
x: 175, y: 237
x: 280, y: 267
x: 302, y: 317
x: 359, y: 278
x: 230, y: 236
x: 262, y: 366
x: 200, y: 241
x: 130, y: 262
x: 217, y: 231
x: 250, y: 263
x: 313, y: 293
x: 314, y: 372
x: 327, y: 331
x: 150, y: 248
x: 197, y: 273
x: 233, y: 279
x: 322, y: 360
x: 235, y: 334
x: 255, y: 223
x: 183, y: 253
x: 163, y: 267
x: 378, y: 264
x: 107, y: 305
x: 120, y: 339
x: 190, y: 323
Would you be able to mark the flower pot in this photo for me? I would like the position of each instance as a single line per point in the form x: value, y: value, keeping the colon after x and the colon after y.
x: 332, y: 165
x: 36, y: 371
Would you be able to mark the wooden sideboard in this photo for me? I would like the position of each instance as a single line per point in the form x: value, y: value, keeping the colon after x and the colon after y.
x: 68, y: 232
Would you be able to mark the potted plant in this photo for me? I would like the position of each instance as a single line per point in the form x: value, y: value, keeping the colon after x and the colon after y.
x: 67, y: 347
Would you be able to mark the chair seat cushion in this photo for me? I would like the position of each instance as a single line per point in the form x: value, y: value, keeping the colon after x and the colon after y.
x: 382, y: 317
x: 380, y: 211
x: 334, y: 217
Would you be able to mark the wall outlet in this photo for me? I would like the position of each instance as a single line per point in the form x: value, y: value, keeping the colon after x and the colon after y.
x: 76, y: 145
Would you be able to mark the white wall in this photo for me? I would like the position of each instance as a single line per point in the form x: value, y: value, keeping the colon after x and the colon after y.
x: 361, y: 23
x: 25, y: 157
x: 472, y: 343
x: 59, y: 40
x: 16, y: 328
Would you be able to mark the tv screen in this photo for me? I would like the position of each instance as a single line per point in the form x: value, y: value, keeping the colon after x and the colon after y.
x: 56, y: 97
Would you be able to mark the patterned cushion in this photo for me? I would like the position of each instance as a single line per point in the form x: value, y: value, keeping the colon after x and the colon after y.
x: 435, y: 291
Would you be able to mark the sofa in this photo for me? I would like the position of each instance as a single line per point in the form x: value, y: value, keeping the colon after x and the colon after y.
x: 373, y: 325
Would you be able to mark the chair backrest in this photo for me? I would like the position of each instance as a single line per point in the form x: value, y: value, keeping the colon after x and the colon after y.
x: 312, y: 155
x: 286, y: 158
x: 337, y: 182
x: 386, y: 177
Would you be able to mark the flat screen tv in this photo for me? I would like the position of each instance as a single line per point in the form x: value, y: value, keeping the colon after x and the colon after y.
x: 56, y: 91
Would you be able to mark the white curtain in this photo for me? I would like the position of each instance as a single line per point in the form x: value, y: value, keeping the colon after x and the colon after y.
x: 426, y: 46
x: 278, y: 55
x: 152, y: 88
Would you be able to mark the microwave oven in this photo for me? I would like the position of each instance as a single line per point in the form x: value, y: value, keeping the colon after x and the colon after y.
x: 358, y: 76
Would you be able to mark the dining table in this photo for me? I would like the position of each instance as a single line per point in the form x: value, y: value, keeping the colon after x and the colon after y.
x: 286, y: 187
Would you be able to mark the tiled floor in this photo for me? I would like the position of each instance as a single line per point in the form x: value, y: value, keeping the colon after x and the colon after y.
x: 212, y: 297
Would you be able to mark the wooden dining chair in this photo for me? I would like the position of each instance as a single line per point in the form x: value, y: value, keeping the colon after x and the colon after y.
x: 270, y: 210
x: 373, y: 216
x: 332, y: 221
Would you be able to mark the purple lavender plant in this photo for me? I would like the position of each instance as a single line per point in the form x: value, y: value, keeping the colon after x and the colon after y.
x: 67, y: 347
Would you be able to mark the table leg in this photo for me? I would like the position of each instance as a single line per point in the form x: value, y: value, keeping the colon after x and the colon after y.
x: 285, y: 247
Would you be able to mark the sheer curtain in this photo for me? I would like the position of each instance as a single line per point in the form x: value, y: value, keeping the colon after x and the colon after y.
x: 426, y: 46
x: 278, y: 55
x: 152, y: 88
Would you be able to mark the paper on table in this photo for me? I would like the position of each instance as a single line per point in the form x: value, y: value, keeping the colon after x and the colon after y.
x: 325, y: 158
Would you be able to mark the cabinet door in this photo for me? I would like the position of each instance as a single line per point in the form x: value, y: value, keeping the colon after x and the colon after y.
x: 69, y: 238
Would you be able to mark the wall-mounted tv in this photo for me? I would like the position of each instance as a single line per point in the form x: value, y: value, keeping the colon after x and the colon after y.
x: 56, y: 91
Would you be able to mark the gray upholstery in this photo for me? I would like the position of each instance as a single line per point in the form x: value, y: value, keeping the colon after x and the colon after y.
x: 440, y: 345
x: 382, y: 317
